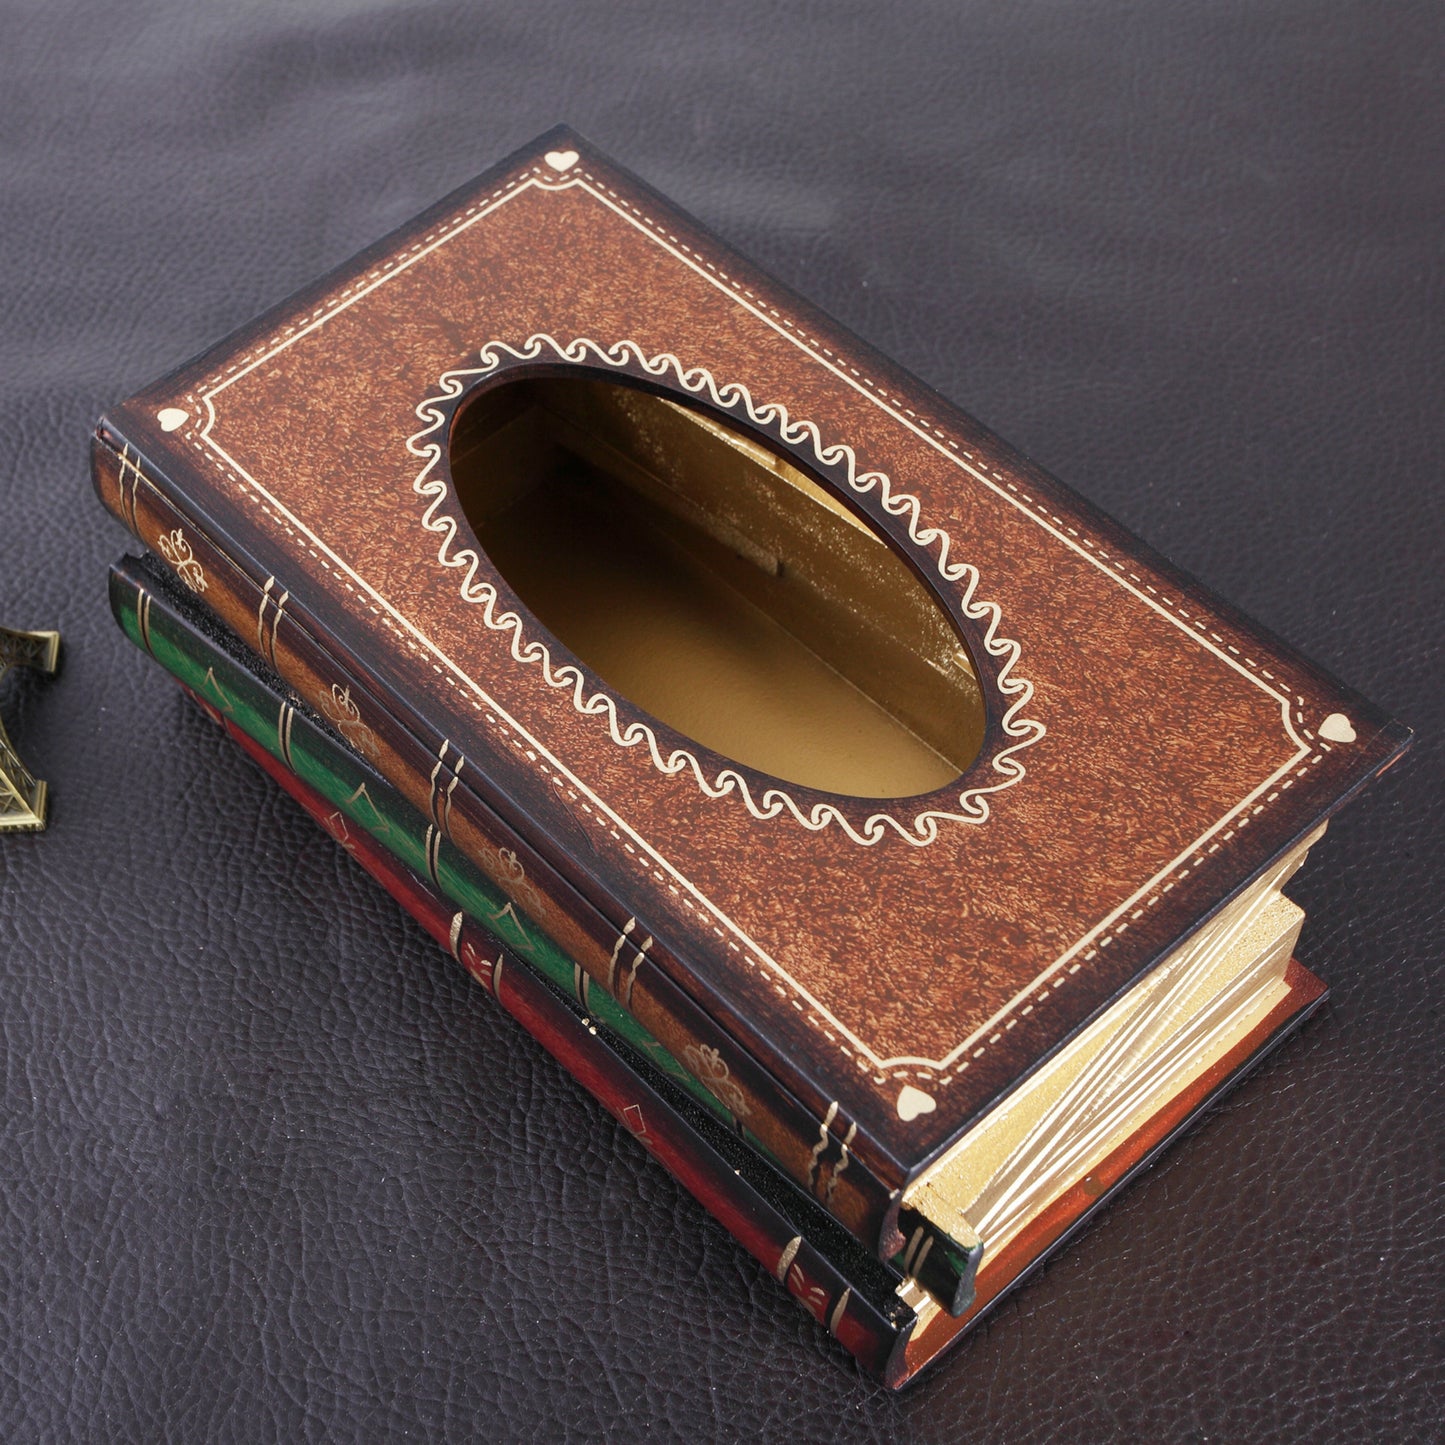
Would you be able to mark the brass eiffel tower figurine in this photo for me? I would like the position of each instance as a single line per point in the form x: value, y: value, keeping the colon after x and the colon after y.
x: 22, y: 797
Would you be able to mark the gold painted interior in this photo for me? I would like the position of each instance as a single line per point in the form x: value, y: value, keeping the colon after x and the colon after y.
x: 717, y: 586
x: 1173, y: 1026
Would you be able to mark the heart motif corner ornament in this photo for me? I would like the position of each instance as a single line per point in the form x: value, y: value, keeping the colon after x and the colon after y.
x: 913, y: 1102
x: 561, y: 160
x: 1337, y: 728
x: 172, y: 417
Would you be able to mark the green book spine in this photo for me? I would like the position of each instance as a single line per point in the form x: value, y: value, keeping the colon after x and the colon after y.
x: 200, y: 655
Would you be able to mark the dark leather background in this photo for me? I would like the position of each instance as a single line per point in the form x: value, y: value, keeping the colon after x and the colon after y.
x: 269, y: 1166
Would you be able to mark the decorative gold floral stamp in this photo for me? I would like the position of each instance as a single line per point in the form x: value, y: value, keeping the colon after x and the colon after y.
x: 710, y: 1068
x: 174, y: 547
x: 345, y: 717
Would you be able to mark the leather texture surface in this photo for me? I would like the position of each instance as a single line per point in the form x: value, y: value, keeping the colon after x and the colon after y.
x: 273, y: 1167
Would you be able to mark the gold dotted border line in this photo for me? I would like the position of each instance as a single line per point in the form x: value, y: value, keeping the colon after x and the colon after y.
x: 939, y: 1077
x: 378, y: 272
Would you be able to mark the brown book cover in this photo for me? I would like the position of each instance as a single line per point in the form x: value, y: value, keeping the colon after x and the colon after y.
x: 1123, y: 754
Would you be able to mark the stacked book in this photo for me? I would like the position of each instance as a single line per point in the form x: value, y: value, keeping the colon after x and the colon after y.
x: 893, y: 844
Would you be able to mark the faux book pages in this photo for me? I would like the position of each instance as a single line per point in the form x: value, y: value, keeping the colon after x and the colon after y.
x: 567, y: 515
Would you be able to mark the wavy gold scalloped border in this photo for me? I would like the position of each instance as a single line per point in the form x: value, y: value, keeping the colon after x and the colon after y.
x: 972, y: 803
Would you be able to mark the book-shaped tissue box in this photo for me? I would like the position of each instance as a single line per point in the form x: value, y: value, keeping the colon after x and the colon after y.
x: 931, y: 822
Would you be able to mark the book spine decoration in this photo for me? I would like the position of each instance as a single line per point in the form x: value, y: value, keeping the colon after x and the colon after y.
x: 829, y: 1275
x: 237, y: 689
x: 618, y: 956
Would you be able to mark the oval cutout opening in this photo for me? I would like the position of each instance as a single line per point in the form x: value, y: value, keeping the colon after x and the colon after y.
x: 713, y: 583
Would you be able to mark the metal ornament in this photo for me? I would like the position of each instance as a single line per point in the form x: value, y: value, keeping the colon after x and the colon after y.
x: 22, y: 796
